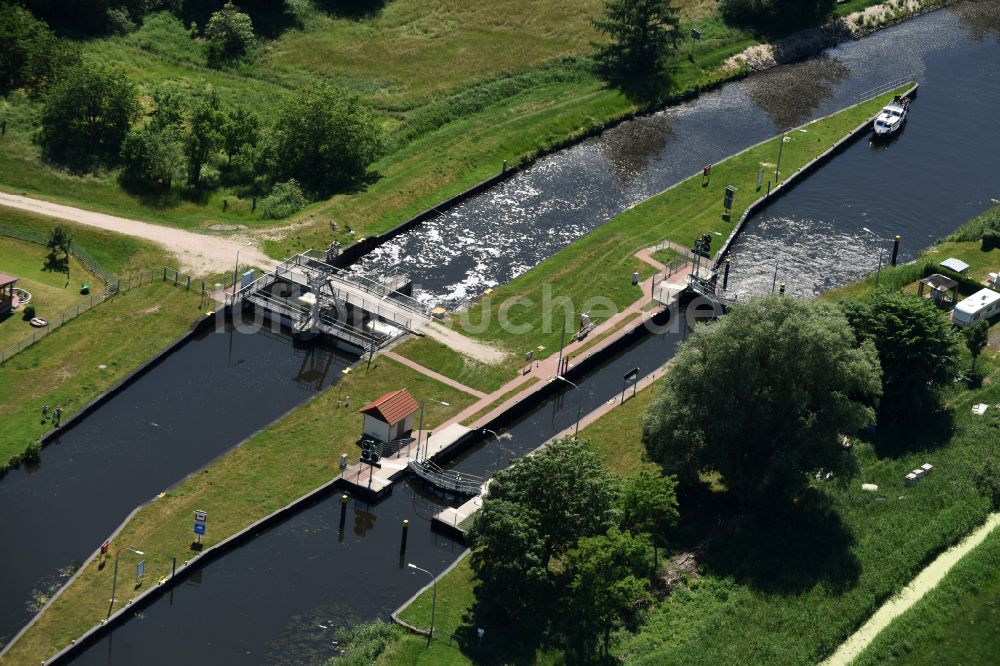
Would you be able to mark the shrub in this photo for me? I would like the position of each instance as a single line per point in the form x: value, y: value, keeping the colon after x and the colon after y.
x: 32, y: 454
x: 285, y: 199
x: 29, y: 311
x: 991, y: 239
x: 229, y: 32
x: 987, y: 482
x: 364, y: 643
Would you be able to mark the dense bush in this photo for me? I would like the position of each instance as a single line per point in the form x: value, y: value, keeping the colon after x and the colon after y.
x: 285, y: 199
x: 29, y: 312
x: 229, y: 33
x: 31, y: 56
x: 363, y: 644
x: 86, y: 117
x: 774, y: 16
x: 978, y: 227
x: 326, y: 138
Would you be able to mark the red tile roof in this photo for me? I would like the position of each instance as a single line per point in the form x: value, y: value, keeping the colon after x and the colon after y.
x: 7, y: 279
x: 392, y: 407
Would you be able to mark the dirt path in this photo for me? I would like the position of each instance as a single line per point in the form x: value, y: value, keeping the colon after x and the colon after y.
x: 463, y: 344
x: 198, y: 254
x: 911, y: 594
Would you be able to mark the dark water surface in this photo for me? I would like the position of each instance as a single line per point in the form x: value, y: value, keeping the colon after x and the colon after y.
x: 280, y: 598
x: 201, y: 400
x: 940, y: 170
x: 502, y: 233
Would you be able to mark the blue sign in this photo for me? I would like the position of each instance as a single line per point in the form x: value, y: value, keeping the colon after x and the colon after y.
x: 199, y: 528
x: 140, y: 568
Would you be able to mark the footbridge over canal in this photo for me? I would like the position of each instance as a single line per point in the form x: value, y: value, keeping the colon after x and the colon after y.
x: 313, y: 296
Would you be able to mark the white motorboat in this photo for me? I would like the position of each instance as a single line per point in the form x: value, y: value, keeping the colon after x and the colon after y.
x: 892, y: 117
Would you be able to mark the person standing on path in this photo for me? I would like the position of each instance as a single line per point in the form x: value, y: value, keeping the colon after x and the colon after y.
x: 57, y: 415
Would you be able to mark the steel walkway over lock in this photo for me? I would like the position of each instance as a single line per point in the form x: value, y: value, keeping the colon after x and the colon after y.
x: 317, y: 297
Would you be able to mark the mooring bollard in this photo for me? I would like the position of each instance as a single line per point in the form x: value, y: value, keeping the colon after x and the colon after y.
x: 343, y: 511
x: 725, y: 276
x: 895, y: 249
x: 781, y: 289
x: 402, y: 543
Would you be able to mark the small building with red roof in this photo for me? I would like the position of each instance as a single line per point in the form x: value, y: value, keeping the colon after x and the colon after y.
x: 391, y: 416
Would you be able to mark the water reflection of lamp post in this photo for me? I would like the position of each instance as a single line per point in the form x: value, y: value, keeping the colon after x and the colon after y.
x: 114, y: 584
x: 420, y: 430
x: 579, y: 405
x: 434, y: 598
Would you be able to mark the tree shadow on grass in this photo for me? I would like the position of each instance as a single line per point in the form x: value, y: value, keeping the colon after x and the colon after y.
x: 926, y: 430
x: 352, y: 9
x: 649, y: 92
x: 501, y: 645
x: 788, y: 549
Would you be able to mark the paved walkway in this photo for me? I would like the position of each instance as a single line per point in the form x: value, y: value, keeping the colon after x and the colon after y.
x: 911, y: 594
x: 199, y: 254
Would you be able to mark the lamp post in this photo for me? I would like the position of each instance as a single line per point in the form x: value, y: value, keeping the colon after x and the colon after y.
x: 579, y: 405
x: 420, y: 430
x: 236, y: 270
x: 434, y: 598
x: 881, y: 250
x: 114, y: 584
x: 487, y: 430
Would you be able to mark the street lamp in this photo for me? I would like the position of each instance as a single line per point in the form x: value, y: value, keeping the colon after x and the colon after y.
x: 434, y: 598
x: 236, y: 270
x: 114, y: 584
x: 420, y: 430
x: 499, y: 446
x: 881, y: 249
x: 579, y: 405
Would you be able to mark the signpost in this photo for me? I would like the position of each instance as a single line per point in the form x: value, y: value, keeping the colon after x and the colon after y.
x: 727, y: 201
x: 200, y: 523
x: 695, y: 37
x: 139, y: 570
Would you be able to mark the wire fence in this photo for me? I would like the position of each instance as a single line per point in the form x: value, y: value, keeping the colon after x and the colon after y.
x: 84, y: 257
x: 122, y: 285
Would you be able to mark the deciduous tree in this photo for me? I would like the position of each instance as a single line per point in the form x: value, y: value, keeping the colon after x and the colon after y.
x: 649, y: 506
x: 762, y: 396
x: 204, y: 137
x: 326, y: 139
x: 916, y: 346
x: 229, y: 32
x: 86, y: 116
x: 976, y: 339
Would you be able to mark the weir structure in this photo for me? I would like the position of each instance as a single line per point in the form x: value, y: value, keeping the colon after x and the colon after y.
x: 313, y: 296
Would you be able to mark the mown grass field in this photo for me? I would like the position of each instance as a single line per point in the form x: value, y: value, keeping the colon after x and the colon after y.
x: 269, y: 470
x: 52, y: 291
x: 958, y: 622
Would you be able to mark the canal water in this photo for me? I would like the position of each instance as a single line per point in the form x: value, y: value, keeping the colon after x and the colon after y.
x: 940, y: 170
x: 280, y: 598
x: 201, y: 400
x: 496, y: 236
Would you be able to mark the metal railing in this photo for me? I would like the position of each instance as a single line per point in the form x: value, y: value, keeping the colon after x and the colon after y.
x: 305, y: 260
x: 39, y: 238
x: 884, y: 88
x: 447, y: 480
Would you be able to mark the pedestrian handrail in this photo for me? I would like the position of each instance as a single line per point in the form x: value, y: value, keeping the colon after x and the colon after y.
x: 448, y: 480
x: 884, y: 88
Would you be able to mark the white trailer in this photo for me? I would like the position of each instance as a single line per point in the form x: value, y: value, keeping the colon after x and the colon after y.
x: 982, y: 305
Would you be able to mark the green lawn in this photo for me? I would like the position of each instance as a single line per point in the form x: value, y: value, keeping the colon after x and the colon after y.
x: 52, y: 290
x: 958, y: 622
x: 272, y: 468
x: 438, y: 357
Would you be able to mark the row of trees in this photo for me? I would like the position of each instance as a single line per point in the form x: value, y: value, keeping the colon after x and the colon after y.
x: 323, y: 137
x: 567, y: 549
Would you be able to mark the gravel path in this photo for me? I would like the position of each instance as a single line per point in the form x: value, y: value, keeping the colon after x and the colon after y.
x: 199, y: 254
x: 925, y: 581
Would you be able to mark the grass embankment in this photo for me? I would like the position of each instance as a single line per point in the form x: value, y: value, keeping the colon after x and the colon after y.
x: 595, y: 272
x: 266, y: 472
x: 434, y: 355
x: 460, y: 88
x: 958, y: 622
x: 63, y: 368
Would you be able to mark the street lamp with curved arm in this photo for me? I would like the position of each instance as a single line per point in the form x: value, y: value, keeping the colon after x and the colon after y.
x: 114, y: 584
x: 579, y: 405
x: 420, y: 430
x: 434, y: 598
x: 499, y: 446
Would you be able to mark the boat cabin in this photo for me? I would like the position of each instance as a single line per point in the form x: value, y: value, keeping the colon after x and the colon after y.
x: 7, y: 283
x: 390, y: 417
x: 981, y: 306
